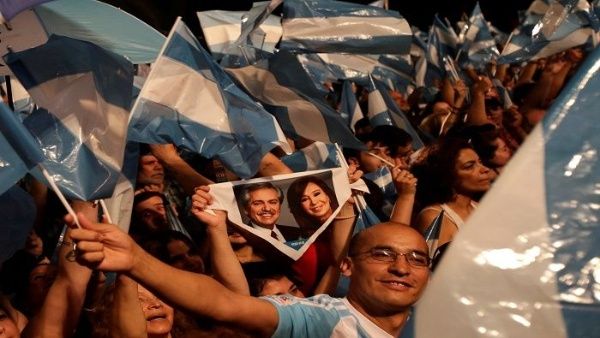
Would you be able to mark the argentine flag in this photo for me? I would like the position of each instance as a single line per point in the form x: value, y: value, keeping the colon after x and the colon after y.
x: 84, y: 92
x: 190, y: 101
x: 326, y: 26
x: 527, y: 263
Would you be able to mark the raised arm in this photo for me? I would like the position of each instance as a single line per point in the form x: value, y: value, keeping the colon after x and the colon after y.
x: 107, y: 248
x: 476, y: 113
x: 225, y: 264
x: 60, y: 312
x: 181, y: 171
x: 406, y: 186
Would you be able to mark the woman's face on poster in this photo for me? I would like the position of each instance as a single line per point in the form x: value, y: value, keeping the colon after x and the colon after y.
x: 315, y: 202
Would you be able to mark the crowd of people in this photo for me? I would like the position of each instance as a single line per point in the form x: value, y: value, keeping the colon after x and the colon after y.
x: 184, y: 270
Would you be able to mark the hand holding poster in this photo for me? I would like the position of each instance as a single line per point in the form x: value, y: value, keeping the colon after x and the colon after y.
x: 288, y: 211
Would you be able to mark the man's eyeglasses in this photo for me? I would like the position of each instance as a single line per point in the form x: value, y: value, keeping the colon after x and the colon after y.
x: 414, y: 258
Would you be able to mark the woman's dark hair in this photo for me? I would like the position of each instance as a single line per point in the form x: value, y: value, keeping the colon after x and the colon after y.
x: 436, y: 172
x: 294, y: 195
x: 484, y: 146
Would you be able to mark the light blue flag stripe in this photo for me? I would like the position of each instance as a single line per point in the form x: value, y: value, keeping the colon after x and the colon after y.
x: 382, y: 177
x: 545, y: 249
x: 103, y: 25
x: 56, y: 59
x: 190, y: 101
x: 18, y: 151
x: 572, y: 176
x: 86, y: 92
x: 340, y: 27
x: 73, y: 165
x: 314, y: 157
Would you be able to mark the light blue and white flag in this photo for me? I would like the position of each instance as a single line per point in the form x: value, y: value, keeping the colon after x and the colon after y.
x: 10, y: 8
x: 382, y: 177
x: 85, y: 91
x: 384, y: 111
x: 349, y: 107
x: 326, y: 26
x: 478, y: 45
x: 88, y: 20
x: 19, y: 152
x: 283, y: 87
x: 565, y: 24
x: 395, y: 71
x: 526, y: 262
x: 313, y: 157
x: 432, y: 234
x: 222, y: 30
x: 189, y: 100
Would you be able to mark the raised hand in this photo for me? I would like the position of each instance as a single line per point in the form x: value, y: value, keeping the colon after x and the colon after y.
x: 103, y: 246
x: 200, y: 201
x: 404, y: 181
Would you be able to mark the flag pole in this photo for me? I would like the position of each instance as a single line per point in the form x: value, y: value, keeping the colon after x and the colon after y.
x: 60, y: 195
x: 105, y: 211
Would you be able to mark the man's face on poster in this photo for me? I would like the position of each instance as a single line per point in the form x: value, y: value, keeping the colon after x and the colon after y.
x: 264, y: 207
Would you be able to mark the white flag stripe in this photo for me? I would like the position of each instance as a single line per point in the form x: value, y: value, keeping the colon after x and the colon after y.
x: 513, y: 262
x: 102, y: 126
x: 347, y: 27
x: 195, y: 97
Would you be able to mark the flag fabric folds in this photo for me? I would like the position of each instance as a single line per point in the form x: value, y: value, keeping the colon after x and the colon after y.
x: 19, y: 152
x: 543, y: 254
x: 478, y: 45
x: 222, y: 30
x: 326, y: 26
x: 313, y: 157
x: 432, y: 234
x: 564, y: 24
x: 86, y: 95
x: 349, y: 107
x: 384, y: 111
x: 285, y: 90
x: 190, y: 101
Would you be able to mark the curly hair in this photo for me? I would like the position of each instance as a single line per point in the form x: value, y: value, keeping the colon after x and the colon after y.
x: 437, y: 173
x: 294, y: 196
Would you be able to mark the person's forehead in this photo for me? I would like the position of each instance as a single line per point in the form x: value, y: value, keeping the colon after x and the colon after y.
x: 263, y: 194
x: 466, y: 155
x: 146, y: 159
x: 150, y: 203
x: 395, y: 237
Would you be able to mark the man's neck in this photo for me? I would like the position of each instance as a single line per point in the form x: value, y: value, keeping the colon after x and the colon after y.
x: 390, y: 323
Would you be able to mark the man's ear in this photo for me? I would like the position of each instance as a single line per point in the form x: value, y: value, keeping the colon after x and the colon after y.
x: 346, y: 267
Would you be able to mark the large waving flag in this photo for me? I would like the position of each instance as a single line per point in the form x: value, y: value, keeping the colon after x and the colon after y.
x: 86, y: 95
x: 286, y: 91
x: 526, y: 262
x: 326, y: 26
x: 565, y: 24
x: 190, y: 101
x: 19, y: 152
x: 478, y: 45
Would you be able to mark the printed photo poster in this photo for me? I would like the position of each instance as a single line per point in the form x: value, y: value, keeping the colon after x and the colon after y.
x: 286, y: 211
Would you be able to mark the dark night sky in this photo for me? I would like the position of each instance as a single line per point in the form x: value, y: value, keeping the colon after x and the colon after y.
x: 162, y: 13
